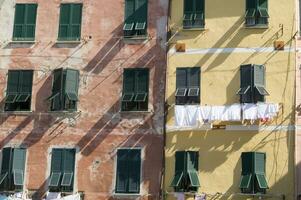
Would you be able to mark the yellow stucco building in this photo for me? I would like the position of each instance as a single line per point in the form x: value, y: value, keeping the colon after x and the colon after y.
x: 230, y: 93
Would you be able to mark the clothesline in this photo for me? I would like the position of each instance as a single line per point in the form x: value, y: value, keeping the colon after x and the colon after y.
x: 195, y: 115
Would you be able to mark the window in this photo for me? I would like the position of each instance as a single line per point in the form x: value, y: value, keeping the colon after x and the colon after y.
x: 252, y: 84
x: 128, y: 171
x: 135, y: 90
x: 62, y: 170
x: 70, y: 22
x: 188, y: 86
x: 253, y: 179
x: 256, y: 13
x: 186, y: 171
x: 194, y: 15
x: 135, y: 23
x: 18, y: 93
x: 25, y: 22
x: 64, y: 90
x: 12, y: 169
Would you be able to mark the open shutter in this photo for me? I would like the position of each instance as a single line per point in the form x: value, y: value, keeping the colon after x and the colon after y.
x: 5, y: 167
x: 192, y: 168
x: 56, y: 97
x: 122, y: 172
x: 188, y: 6
x: 141, y: 86
x: 71, y: 85
x: 12, y: 86
x: 68, y: 163
x: 19, y: 27
x: 56, y: 167
x: 180, y: 168
x: 134, y: 168
x: 25, y: 85
x: 30, y: 23
x: 199, y: 6
x: 259, y: 80
x: 19, y: 166
x: 64, y: 27
x: 247, y: 170
x: 128, y: 85
x: 246, y: 89
x: 259, y: 168
x: 76, y: 19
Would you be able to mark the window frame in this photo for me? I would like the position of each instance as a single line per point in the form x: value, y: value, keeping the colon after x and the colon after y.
x: 191, y: 22
x: 257, y: 20
x: 134, y: 105
x: 25, y: 24
x: 60, y: 187
x: 15, y: 105
x: 187, y: 99
x: 141, y: 170
x: 69, y: 36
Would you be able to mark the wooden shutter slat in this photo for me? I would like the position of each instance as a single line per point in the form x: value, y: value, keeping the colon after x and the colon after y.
x: 19, y: 24
x: 30, y: 23
x: 75, y: 21
x: 65, y: 13
x: 134, y: 159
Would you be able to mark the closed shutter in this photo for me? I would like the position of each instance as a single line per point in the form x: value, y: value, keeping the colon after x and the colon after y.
x: 56, y: 167
x: 71, y: 84
x: 199, y: 6
x: 194, y: 78
x: 64, y: 27
x: 181, y: 79
x: 19, y: 166
x: 6, y: 168
x: 188, y: 6
x: 25, y: 85
x: 12, y: 86
x: 247, y: 164
x: 30, y: 26
x: 180, y: 168
x: 128, y: 85
x: 129, y: 11
x: 122, y: 172
x: 134, y: 168
x: 192, y: 168
x: 141, y: 85
x: 141, y: 11
x: 68, y: 169
x: 76, y: 19
x: 19, y: 28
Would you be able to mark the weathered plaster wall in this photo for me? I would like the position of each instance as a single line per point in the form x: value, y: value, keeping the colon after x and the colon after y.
x: 98, y: 128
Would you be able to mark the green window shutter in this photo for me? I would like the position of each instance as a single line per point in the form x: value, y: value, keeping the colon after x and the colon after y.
x: 141, y: 85
x: 141, y: 11
x: 30, y: 24
x: 76, y: 20
x: 181, y: 78
x: 259, y: 75
x: 57, y: 160
x: 245, y: 181
x: 259, y: 164
x: 192, y: 168
x: 71, y: 84
x: 19, y: 24
x: 6, y: 166
x: 199, y: 6
x: 25, y: 85
x: 263, y: 4
x: 129, y: 11
x: 180, y: 168
x: 188, y: 6
x: 12, y: 91
x: 251, y: 4
x: 68, y: 163
x: 64, y: 27
x: 194, y: 77
x: 129, y: 77
x: 19, y: 165
x: 134, y: 168
x: 56, y: 97
x: 247, y: 163
x: 122, y: 172
x: 246, y: 84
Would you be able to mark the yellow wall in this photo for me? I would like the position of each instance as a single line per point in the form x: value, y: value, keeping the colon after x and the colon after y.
x: 220, y: 150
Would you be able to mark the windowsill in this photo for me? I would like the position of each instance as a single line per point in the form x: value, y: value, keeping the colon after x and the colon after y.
x: 17, y: 112
x: 257, y: 27
x: 128, y: 195
x: 68, y: 41
x: 135, y: 39
x: 138, y: 112
x: 23, y: 42
x: 194, y: 29
x: 63, y: 112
